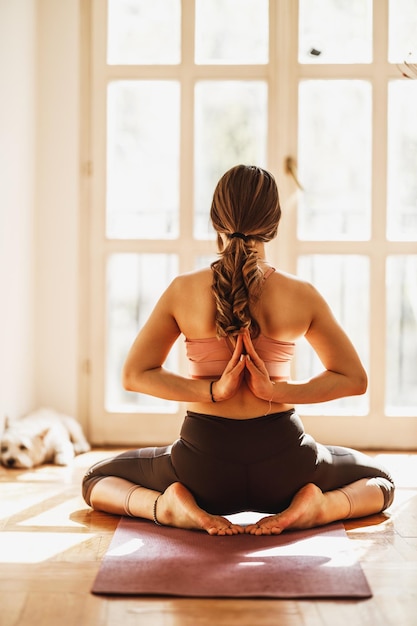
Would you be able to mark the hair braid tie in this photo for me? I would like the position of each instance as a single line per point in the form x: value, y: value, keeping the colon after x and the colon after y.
x: 239, y: 236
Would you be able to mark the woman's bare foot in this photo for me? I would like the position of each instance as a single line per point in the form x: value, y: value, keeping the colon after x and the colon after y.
x: 177, y: 507
x: 309, y: 508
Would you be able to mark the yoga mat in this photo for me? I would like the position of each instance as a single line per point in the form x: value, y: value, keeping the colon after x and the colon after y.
x: 145, y: 559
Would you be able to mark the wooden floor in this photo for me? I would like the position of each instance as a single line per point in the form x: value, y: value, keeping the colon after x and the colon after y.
x: 51, y: 545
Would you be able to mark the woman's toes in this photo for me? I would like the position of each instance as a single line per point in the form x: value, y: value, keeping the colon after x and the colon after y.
x: 221, y: 527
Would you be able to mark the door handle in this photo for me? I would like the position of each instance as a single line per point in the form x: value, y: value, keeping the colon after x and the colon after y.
x: 291, y: 169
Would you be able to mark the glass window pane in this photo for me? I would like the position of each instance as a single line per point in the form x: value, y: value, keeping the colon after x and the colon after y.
x: 204, y: 260
x: 334, y: 148
x: 401, y: 384
x: 343, y: 280
x: 402, y: 160
x: 335, y: 31
x: 134, y: 284
x: 143, y: 159
x: 230, y: 128
x: 402, y: 31
x: 231, y: 31
x: 143, y: 32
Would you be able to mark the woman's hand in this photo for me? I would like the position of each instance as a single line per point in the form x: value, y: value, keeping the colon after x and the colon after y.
x: 232, y: 376
x: 256, y: 374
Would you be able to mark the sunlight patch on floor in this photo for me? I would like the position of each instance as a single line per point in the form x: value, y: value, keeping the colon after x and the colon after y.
x: 23, y: 547
x: 57, y: 516
x: 15, y: 498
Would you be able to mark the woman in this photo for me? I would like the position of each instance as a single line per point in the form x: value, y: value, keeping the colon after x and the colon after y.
x: 242, y: 446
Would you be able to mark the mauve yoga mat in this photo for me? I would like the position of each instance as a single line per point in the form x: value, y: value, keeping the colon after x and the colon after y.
x: 145, y: 559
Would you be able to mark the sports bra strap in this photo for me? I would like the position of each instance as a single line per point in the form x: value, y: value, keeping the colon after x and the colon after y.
x: 268, y: 272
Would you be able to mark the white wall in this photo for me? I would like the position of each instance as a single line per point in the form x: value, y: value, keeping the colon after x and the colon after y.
x: 17, y: 204
x: 57, y: 205
x: 39, y: 189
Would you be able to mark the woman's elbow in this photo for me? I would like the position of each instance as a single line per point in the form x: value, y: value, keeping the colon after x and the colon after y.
x: 129, y: 379
x: 360, y: 383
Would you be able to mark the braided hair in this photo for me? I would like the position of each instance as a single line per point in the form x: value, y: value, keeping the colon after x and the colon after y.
x: 246, y: 209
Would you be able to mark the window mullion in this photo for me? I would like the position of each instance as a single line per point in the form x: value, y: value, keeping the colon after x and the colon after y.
x: 283, y: 86
x: 377, y: 330
x: 187, y: 71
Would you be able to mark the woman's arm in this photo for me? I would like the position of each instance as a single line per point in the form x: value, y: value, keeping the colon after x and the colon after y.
x: 343, y: 375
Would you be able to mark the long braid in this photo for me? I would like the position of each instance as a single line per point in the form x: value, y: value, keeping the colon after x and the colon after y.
x: 236, y: 284
x: 245, y: 208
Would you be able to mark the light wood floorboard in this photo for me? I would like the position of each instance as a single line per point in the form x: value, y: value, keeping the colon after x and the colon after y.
x: 51, y: 545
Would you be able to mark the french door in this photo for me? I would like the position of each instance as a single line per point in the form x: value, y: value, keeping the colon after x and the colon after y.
x: 312, y: 90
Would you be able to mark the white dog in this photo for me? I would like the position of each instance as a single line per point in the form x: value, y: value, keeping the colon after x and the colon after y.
x: 44, y: 436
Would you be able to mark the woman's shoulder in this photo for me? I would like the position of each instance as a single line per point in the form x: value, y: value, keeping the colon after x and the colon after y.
x: 193, y: 279
x: 291, y: 282
x: 191, y: 286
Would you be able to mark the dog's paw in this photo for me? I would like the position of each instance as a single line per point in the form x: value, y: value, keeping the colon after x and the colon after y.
x: 63, y: 458
x: 81, y: 446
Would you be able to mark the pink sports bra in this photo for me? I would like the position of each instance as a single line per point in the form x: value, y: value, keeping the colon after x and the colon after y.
x: 208, y: 357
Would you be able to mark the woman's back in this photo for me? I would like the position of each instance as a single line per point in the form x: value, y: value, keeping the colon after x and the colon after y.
x: 283, y: 311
